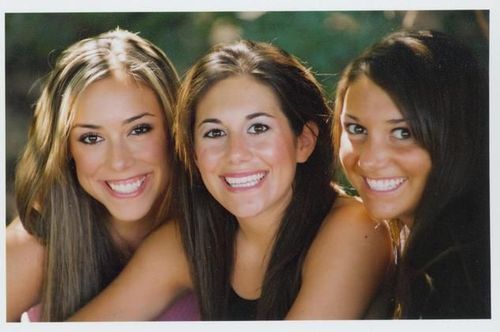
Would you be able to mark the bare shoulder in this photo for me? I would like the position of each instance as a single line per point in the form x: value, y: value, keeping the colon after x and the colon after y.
x: 344, y: 265
x: 24, y: 269
x: 350, y: 234
x: 19, y: 240
x: 348, y: 217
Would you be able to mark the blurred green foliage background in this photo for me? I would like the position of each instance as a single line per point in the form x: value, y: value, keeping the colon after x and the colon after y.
x: 325, y: 41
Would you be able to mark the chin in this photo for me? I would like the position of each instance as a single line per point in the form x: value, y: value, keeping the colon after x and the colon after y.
x: 385, y: 214
x: 129, y: 217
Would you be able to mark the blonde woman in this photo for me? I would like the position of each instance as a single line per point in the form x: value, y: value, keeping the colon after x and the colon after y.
x: 95, y: 177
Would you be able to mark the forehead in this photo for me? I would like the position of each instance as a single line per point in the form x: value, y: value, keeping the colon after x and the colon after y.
x: 112, y: 96
x: 237, y: 95
x: 365, y: 98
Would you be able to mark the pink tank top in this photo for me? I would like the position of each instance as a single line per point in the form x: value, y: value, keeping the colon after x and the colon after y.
x: 184, y: 309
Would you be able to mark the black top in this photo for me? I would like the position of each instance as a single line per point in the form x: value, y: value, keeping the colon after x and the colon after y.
x: 240, y: 308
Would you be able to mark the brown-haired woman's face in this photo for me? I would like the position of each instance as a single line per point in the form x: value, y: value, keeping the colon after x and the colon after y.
x: 246, y: 151
x: 119, y: 145
x: 379, y: 155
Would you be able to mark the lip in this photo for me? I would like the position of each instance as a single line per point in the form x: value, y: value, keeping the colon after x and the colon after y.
x: 129, y: 187
x: 384, y: 185
x: 243, y: 181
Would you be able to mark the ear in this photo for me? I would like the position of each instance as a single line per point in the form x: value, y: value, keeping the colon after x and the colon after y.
x: 306, y: 141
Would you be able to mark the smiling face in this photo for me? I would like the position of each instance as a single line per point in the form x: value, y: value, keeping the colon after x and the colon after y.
x: 119, y: 145
x: 379, y: 155
x: 245, y: 149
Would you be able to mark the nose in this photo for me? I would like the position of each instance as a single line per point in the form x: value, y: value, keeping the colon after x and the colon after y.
x: 238, y: 149
x: 120, y: 156
x: 373, y: 155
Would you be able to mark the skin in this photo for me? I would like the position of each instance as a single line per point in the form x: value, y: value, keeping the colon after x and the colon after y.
x: 345, y: 264
x: 118, y: 143
x: 379, y: 155
x: 118, y: 135
x: 243, y: 137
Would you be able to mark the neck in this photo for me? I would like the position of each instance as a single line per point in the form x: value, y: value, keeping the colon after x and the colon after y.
x: 128, y: 235
x: 253, y: 244
x: 259, y: 232
x: 261, y: 229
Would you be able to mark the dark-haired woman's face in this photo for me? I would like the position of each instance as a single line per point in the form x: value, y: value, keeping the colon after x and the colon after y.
x: 246, y: 151
x: 379, y: 155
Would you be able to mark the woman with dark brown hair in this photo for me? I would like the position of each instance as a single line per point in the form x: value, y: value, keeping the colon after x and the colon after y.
x: 411, y: 132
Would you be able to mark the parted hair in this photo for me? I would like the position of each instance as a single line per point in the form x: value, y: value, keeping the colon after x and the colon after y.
x: 442, y: 92
x: 209, y: 229
x: 81, y: 258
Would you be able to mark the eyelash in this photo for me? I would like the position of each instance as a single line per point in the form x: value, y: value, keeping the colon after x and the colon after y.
x: 254, y: 129
x: 93, y: 138
x: 141, y: 129
x: 90, y: 138
x: 214, y: 133
x: 405, y: 133
x: 351, y: 128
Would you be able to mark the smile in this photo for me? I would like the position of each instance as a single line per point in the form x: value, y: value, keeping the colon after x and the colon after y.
x: 385, y: 184
x: 245, y: 181
x: 126, y: 187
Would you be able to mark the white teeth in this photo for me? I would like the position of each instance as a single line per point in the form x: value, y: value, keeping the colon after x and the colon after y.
x: 385, y: 184
x: 127, y: 187
x: 246, y: 181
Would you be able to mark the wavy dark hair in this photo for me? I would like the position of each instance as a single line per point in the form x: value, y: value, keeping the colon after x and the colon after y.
x: 81, y: 258
x: 209, y: 229
x: 442, y: 91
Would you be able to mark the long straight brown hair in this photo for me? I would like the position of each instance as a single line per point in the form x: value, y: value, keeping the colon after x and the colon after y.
x: 209, y: 229
x: 81, y: 257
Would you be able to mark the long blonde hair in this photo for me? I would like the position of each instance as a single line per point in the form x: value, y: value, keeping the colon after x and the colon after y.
x: 80, y: 256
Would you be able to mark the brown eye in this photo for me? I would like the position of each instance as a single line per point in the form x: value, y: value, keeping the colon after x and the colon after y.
x: 214, y: 133
x: 258, y: 128
x: 141, y: 129
x: 90, y: 138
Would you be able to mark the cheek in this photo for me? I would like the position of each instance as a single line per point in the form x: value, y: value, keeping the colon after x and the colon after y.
x: 418, y: 161
x: 86, y: 160
x: 155, y: 151
x: 206, y: 159
x: 346, y: 152
x: 424, y: 164
x: 281, y: 147
x: 151, y: 148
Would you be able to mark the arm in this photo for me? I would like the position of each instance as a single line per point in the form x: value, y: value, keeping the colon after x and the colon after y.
x: 24, y: 270
x: 344, y: 267
x: 156, y: 274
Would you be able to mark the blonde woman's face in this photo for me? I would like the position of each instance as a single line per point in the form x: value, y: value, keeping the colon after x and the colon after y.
x: 381, y: 158
x: 119, y: 146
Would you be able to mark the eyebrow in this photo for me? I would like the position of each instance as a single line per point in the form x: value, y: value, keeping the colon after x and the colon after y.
x: 124, y: 122
x: 391, y: 121
x: 248, y: 117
